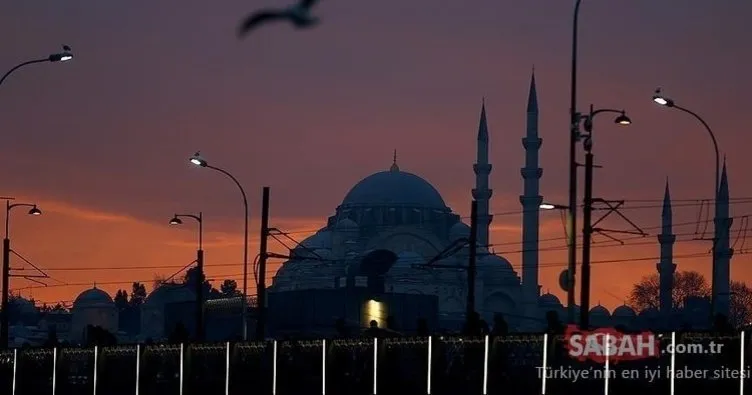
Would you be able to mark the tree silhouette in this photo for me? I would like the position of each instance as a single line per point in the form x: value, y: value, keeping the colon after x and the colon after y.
x: 138, y: 294
x: 688, y: 284
x: 121, y: 300
x: 229, y: 289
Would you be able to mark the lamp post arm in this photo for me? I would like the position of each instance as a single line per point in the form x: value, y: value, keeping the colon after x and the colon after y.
x: 200, y: 220
x: 600, y: 110
x: 22, y: 65
x: 715, y: 145
x: 245, y: 249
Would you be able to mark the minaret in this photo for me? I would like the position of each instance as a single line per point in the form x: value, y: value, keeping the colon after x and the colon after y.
x: 482, y: 169
x: 723, y: 249
x: 666, y: 266
x: 531, y: 199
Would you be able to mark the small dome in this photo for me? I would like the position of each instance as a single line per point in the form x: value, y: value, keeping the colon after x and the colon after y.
x: 624, y: 311
x: 93, y: 297
x: 600, y: 311
x: 346, y: 223
x: 409, y: 258
x: 459, y: 230
x: 548, y: 299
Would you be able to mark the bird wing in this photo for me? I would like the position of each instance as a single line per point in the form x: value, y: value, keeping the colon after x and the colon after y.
x: 258, y: 18
x: 308, y: 3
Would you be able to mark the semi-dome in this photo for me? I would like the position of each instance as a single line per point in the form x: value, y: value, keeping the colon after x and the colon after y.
x: 624, y: 311
x: 394, y: 188
x: 460, y: 230
x: 170, y: 293
x: 599, y: 311
x: 92, y: 297
x: 548, y: 299
x: 495, y: 262
x: 346, y: 223
x: 320, y: 239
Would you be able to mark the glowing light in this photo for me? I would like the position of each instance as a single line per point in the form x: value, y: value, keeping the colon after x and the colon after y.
x: 227, y: 370
x: 274, y: 368
x: 544, y: 366
x: 323, y: 367
x: 546, y: 206
x: 138, y: 366
x: 660, y: 100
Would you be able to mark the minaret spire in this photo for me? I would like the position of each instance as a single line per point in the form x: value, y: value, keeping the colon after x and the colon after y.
x: 723, y: 250
x: 394, y: 162
x: 531, y: 199
x: 666, y: 266
x: 482, y: 193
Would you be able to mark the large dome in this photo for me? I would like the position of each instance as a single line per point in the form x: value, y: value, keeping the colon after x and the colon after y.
x: 394, y: 188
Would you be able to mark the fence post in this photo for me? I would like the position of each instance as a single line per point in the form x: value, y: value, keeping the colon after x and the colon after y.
x: 227, y: 370
x: 323, y: 367
x: 375, y: 362
x: 54, y: 369
x: 545, y: 364
x: 274, y: 368
x: 181, y: 368
x: 430, y: 362
x: 742, y: 369
x: 138, y: 367
x: 485, y: 368
x: 673, y: 362
x: 96, y: 360
x: 606, y: 370
x: 15, y: 369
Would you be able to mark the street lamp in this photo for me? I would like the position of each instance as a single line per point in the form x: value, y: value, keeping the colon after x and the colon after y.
x: 55, y: 57
x: 661, y: 99
x: 197, y: 160
x: 551, y: 206
x: 199, y: 267
x: 587, y: 229
x: 34, y: 210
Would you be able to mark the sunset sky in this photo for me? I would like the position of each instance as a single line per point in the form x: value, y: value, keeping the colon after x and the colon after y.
x: 101, y: 142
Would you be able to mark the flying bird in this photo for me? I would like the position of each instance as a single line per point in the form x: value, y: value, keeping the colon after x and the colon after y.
x: 299, y: 15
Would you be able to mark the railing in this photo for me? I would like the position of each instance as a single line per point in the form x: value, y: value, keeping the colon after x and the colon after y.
x: 412, y: 366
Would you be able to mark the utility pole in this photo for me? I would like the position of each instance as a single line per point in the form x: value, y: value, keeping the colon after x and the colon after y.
x: 263, y: 255
x: 6, y: 280
x: 200, y: 288
x: 471, y: 267
x: 587, y: 234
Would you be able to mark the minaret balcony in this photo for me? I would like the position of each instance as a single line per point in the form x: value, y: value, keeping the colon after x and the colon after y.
x: 532, y: 142
x: 528, y: 173
x: 482, y: 168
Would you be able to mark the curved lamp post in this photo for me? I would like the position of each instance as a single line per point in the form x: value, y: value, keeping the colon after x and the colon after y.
x: 33, y: 210
x: 664, y: 101
x: 199, y: 267
x: 587, y: 228
x: 55, y: 57
x: 197, y: 160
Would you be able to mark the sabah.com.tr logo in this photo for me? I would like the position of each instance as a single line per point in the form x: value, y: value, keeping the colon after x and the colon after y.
x: 608, y: 343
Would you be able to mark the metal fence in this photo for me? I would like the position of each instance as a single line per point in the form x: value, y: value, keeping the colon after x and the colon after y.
x: 410, y: 366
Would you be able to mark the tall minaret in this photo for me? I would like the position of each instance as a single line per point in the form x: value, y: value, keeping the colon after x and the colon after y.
x: 666, y: 266
x: 482, y: 169
x: 531, y: 199
x: 723, y: 250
